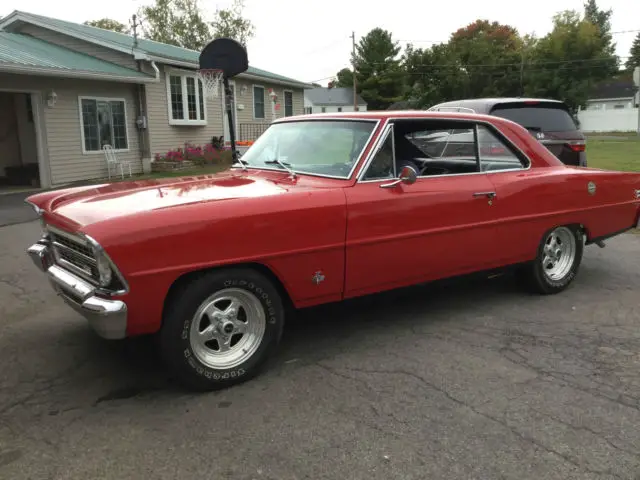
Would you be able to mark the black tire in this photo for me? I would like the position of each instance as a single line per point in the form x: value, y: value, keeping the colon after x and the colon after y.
x: 533, y: 275
x: 174, y: 336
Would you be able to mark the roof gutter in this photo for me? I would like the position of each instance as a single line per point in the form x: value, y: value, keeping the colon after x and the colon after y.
x: 249, y: 76
x: 56, y: 72
x: 276, y: 81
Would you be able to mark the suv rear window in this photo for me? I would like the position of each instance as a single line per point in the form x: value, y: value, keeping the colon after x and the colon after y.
x: 545, y: 118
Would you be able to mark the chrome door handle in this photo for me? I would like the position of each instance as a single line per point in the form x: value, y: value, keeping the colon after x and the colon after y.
x: 485, y: 194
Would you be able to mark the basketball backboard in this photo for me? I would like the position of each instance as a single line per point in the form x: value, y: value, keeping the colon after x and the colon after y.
x: 224, y: 54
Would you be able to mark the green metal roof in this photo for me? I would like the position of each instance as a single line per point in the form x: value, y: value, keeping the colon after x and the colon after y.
x: 156, y: 49
x: 24, y: 51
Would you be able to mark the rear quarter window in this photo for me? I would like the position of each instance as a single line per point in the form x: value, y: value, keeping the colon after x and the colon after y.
x: 548, y: 119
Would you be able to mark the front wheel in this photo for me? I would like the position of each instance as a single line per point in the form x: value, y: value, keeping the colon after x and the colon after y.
x: 557, y: 261
x: 219, y: 329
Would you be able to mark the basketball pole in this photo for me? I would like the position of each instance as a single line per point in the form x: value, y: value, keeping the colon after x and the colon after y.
x: 227, y: 106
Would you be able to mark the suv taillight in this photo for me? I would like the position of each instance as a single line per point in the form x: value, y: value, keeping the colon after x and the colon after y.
x: 577, y: 145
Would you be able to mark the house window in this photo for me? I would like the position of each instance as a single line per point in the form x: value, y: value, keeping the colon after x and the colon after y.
x: 339, y: 109
x: 308, y: 109
x: 258, y: 102
x: 104, y: 122
x: 324, y: 110
x: 288, y: 103
x: 187, y: 104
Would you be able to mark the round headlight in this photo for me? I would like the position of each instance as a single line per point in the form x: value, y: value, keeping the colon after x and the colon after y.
x: 104, y: 269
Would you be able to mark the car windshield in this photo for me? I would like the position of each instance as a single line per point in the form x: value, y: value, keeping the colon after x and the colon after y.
x: 317, y: 147
x: 548, y: 119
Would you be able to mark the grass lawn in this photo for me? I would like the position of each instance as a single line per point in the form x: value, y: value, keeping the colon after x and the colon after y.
x: 621, y: 153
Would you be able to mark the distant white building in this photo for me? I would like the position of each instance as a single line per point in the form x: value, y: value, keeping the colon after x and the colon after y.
x: 325, y: 100
x: 612, y: 106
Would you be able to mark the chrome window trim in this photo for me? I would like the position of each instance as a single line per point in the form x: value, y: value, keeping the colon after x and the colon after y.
x: 509, y: 144
x: 374, y: 150
x: 376, y: 121
x: 382, y: 138
x: 485, y: 123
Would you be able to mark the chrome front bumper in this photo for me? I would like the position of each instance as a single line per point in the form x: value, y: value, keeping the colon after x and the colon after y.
x: 108, y: 318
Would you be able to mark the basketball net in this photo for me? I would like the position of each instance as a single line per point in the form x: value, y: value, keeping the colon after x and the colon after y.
x: 211, y: 82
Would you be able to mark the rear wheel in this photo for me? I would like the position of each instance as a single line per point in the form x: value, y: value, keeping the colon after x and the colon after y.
x: 557, y: 262
x: 220, y: 329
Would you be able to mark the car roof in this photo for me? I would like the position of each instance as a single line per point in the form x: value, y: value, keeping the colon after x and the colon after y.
x: 375, y: 115
x: 485, y: 104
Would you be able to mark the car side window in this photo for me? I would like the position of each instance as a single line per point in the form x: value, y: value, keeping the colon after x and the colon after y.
x: 382, y: 164
x: 495, y: 154
x: 437, y: 151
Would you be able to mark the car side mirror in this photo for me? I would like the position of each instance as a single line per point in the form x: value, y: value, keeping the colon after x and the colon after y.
x: 407, y: 175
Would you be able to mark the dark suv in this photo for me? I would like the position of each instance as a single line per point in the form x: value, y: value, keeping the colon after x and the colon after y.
x: 550, y: 121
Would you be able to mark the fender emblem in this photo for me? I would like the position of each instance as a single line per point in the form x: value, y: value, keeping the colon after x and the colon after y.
x: 317, y: 277
x: 591, y: 188
x: 637, y: 193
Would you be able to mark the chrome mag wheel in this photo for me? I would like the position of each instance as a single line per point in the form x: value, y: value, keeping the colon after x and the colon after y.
x: 227, y: 328
x: 559, y: 253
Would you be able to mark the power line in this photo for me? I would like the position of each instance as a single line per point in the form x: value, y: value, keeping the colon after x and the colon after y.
x: 618, y: 32
x: 496, y: 65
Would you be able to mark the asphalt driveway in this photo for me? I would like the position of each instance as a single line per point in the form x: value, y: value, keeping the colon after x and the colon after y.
x: 467, y: 380
x: 13, y: 209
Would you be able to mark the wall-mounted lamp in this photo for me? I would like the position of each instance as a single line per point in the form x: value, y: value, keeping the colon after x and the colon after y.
x: 243, y: 90
x: 52, y: 97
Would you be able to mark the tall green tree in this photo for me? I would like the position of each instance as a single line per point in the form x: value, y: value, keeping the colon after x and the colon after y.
x: 108, y: 24
x: 567, y: 62
x: 491, y: 54
x: 176, y: 22
x: 344, y: 78
x: 634, y: 55
x: 379, y: 74
x: 602, y: 20
x: 231, y: 23
x: 433, y: 75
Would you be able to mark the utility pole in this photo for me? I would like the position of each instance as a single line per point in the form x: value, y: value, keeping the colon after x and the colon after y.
x: 353, y: 65
x: 522, y: 72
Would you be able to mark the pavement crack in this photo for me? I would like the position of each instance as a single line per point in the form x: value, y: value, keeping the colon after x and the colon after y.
x: 584, y: 428
x: 568, y: 459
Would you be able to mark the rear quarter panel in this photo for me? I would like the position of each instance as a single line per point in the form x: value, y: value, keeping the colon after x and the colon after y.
x: 531, y: 202
x: 294, y: 235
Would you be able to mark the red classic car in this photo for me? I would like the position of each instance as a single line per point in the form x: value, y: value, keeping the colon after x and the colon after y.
x: 319, y: 209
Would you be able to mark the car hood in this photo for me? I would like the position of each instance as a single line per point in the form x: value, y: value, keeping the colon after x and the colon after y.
x: 88, y: 205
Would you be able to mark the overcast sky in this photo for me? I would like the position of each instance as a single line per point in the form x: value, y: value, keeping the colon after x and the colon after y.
x: 311, y: 42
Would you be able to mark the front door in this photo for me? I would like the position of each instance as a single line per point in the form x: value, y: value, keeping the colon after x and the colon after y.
x: 440, y: 226
x: 227, y: 137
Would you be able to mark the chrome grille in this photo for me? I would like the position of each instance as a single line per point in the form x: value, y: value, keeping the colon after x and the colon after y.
x: 74, y: 254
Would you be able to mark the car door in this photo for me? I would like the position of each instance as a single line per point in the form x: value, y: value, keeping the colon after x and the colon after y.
x: 525, y: 196
x: 439, y: 226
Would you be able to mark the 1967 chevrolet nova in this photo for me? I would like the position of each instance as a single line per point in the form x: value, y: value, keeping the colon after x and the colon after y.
x: 321, y: 208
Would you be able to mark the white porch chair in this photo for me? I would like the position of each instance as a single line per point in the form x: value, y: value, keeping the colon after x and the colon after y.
x: 112, y: 161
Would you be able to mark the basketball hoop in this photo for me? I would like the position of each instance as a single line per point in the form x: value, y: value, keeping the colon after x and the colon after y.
x: 211, y: 79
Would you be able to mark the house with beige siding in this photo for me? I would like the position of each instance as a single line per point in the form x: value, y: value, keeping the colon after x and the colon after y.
x: 68, y: 89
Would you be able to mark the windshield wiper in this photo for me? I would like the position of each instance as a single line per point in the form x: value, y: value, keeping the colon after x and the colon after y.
x: 285, y: 165
x: 241, y: 162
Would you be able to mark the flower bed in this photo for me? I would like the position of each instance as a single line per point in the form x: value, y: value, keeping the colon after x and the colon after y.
x: 191, y: 156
